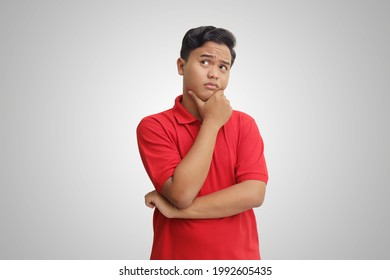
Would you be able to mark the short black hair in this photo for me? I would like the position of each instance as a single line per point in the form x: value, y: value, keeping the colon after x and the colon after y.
x: 197, y: 37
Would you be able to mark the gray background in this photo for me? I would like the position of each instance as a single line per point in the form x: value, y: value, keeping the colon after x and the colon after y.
x: 76, y: 77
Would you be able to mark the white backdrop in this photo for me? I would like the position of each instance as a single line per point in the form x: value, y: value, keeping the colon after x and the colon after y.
x: 76, y: 77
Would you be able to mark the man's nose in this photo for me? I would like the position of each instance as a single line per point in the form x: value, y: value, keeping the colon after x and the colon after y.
x: 213, y: 73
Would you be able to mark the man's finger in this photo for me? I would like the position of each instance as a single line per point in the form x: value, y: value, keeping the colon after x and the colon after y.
x: 149, y: 203
x: 220, y: 93
x: 199, y: 102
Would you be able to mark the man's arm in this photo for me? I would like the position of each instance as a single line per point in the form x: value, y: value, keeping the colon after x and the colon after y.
x: 223, y: 203
x: 189, y: 176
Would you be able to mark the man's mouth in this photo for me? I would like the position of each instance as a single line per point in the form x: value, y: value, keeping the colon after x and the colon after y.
x: 211, y: 86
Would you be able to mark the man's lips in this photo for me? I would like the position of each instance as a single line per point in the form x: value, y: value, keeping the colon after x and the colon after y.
x: 211, y: 86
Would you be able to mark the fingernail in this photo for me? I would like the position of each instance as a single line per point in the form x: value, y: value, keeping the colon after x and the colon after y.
x: 190, y: 92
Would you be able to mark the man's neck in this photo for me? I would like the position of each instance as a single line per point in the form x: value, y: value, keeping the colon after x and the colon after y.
x: 190, y: 105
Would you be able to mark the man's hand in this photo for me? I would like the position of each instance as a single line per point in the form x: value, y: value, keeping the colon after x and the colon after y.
x: 154, y: 199
x: 216, y: 110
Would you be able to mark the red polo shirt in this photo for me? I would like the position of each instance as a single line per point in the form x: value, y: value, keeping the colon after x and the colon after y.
x: 163, y: 140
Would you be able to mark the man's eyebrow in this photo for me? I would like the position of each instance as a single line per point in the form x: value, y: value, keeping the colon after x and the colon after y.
x: 213, y: 56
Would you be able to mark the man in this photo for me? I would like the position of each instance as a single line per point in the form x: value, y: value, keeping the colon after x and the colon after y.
x: 204, y: 159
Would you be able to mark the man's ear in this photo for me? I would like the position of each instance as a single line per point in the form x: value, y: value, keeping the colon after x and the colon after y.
x: 180, y: 66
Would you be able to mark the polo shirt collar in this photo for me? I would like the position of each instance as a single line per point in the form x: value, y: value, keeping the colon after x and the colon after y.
x: 181, y: 114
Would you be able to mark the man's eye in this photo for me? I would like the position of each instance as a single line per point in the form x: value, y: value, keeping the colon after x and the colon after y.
x: 223, y: 67
x: 205, y: 62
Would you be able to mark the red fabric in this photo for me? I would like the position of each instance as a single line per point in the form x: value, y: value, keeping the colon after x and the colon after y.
x: 164, y: 139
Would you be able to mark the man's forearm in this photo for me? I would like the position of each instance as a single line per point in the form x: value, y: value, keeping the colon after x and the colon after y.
x: 190, y: 174
x: 227, y: 202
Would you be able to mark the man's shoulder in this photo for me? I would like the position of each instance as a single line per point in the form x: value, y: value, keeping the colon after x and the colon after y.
x: 156, y: 122
x: 240, y: 123
x: 241, y: 117
x: 163, y: 116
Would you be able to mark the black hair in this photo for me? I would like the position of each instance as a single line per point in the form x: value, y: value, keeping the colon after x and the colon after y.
x: 197, y: 37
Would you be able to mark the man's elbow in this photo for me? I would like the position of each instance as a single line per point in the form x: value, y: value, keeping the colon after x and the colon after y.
x: 181, y: 202
x: 180, y: 198
x: 258, y: 201
x: 258, y: 194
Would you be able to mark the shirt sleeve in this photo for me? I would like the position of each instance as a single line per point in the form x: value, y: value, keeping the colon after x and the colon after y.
x: 251, y: 164
x: 158, y: 152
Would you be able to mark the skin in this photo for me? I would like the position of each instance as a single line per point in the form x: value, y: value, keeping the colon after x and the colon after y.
x: 206, y: 66
x: 205, y: 77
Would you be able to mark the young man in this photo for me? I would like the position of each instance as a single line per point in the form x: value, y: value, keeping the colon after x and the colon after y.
x: 205, y: 160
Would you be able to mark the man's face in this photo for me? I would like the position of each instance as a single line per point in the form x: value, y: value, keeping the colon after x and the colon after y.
x: 206, y: 70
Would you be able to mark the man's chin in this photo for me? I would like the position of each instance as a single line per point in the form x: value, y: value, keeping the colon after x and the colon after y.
x: 206, y: 95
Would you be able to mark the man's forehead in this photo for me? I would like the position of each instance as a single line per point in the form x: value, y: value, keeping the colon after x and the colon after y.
x: 214, y: 50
